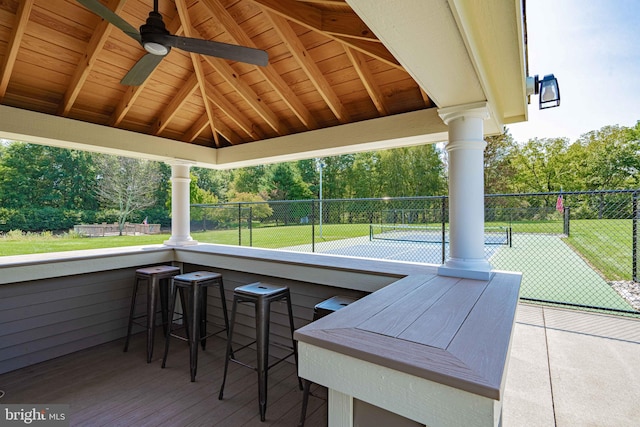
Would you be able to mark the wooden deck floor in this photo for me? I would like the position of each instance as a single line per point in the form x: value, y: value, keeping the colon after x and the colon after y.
x: 106, y: 387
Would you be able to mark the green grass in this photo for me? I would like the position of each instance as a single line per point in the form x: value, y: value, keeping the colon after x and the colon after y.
x: 264, y: 237
x: 280, y: 237
x: 606, y: 244
x: 38, y: 244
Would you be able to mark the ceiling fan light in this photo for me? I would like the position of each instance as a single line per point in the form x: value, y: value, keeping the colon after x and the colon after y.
x: 156, y: 48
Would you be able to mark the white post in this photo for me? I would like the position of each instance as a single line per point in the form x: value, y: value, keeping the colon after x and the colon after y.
x: 180, y: 205
x: 466, y: 191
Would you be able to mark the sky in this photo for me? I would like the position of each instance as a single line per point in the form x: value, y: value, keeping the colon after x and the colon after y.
x: 593, y: 49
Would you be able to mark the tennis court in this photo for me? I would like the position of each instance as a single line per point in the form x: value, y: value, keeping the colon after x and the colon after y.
x: 552, y: 271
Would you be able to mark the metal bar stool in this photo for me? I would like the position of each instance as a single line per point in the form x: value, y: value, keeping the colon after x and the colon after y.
x: 320, y: 310
x: 261, y: 295
x: 157, y: 283
x: 196, y: 312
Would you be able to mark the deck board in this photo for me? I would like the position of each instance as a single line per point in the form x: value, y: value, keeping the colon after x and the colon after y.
x: 105, y: 386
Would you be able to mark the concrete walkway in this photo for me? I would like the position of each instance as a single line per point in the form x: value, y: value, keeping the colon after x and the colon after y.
x: 571, y: 368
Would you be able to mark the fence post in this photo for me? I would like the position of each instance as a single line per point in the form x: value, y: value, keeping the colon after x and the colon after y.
x: 239, y: 224
x: 313, y: 226
x: 250, y: 226
x: 634, y: 237
x: 567, y: 214
x: 443, y: 212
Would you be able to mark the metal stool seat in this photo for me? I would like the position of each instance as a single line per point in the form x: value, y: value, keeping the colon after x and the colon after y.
x: 320, y: 310
x: 157, y: 283
x: 193, y: 288
x: 261, y: 295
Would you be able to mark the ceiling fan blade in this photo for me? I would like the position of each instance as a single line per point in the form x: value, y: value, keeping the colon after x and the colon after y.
x: 107, y: 14
x: 218, y: 49
x: 143, y: 68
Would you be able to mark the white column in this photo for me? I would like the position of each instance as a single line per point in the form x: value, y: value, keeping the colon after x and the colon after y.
x: 466, y: 191
x: 180, y: 205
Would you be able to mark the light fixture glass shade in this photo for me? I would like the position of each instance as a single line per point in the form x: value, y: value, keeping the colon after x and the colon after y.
x: 549, y: 92
x: 156, y: 48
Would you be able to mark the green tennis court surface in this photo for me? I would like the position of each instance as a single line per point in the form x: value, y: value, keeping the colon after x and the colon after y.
x: 552, y: 271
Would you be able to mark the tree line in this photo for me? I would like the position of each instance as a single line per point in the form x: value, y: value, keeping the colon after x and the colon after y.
x: 49, y: 188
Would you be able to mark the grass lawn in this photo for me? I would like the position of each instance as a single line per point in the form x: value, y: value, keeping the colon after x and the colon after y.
x: 262, y: 237
x: 280, y: 237
x: 606, y: 244
x: 36, y: 244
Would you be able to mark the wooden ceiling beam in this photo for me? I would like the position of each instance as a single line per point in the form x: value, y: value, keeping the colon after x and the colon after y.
x: 311, y: 17
x: 245, y: 91
x: 209, y: 92
x: 361, y: 67
x: 178, y: 100
x: 183, y: 13
x: 372, y: 49
x: 19, y: 27
x: 99, y: 37
x: 196, y: 129
x: 302, y: 56
x: 232, y: 112
x: 344, y: 23
x: 290, y: 99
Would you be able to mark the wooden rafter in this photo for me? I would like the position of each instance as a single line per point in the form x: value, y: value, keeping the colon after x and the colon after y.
x: 268, y: 73
x: 232, y: 112
x: 311, y: 17
x: 303, y: 57
x: 178, y: 101
x: 20, y: 25
x: 99, y: 37
x: 361, y: 67
x: 343, y: 23
x: 183, y: 13
x: 245, y: 91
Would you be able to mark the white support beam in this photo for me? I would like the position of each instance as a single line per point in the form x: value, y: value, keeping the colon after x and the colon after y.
x: 45, y: 129
x: 400, y: 130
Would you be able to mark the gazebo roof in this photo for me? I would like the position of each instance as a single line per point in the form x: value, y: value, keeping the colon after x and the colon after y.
x: 343, y: 76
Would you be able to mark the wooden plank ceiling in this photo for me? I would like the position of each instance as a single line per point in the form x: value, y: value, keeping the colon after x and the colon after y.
x: 325, y: 68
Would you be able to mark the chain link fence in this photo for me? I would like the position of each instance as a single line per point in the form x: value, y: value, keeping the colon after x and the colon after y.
x: 576, y: 249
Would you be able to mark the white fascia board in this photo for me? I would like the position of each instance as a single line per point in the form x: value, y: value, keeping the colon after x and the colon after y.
x: 401, y: 130
x: 39, y: 128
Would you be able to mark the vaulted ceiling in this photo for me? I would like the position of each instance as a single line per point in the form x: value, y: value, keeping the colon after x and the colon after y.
x: 326, y: 69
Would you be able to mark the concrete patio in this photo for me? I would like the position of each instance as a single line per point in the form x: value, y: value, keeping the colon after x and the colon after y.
x: 572, y: 368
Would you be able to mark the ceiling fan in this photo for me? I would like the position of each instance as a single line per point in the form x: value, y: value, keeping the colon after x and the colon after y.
x: 156, y: 40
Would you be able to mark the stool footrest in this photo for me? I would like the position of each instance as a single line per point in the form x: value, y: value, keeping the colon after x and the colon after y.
x: 246, y: 365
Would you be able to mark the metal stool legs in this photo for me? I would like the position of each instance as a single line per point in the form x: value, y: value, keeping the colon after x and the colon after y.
x: 154, y: 277
x: 194, y: 303
x: 261, y: 295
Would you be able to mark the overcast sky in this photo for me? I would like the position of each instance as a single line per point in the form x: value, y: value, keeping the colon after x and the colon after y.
x: 593, y: 49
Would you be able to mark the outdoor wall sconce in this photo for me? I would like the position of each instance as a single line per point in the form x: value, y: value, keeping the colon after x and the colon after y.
x: 547, y: 88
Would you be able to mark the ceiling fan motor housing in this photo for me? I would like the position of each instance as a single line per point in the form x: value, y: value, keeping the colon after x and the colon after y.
x: 152, y: 34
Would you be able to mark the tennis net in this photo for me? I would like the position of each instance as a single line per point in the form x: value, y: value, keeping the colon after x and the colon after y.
x: 494, y: 235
